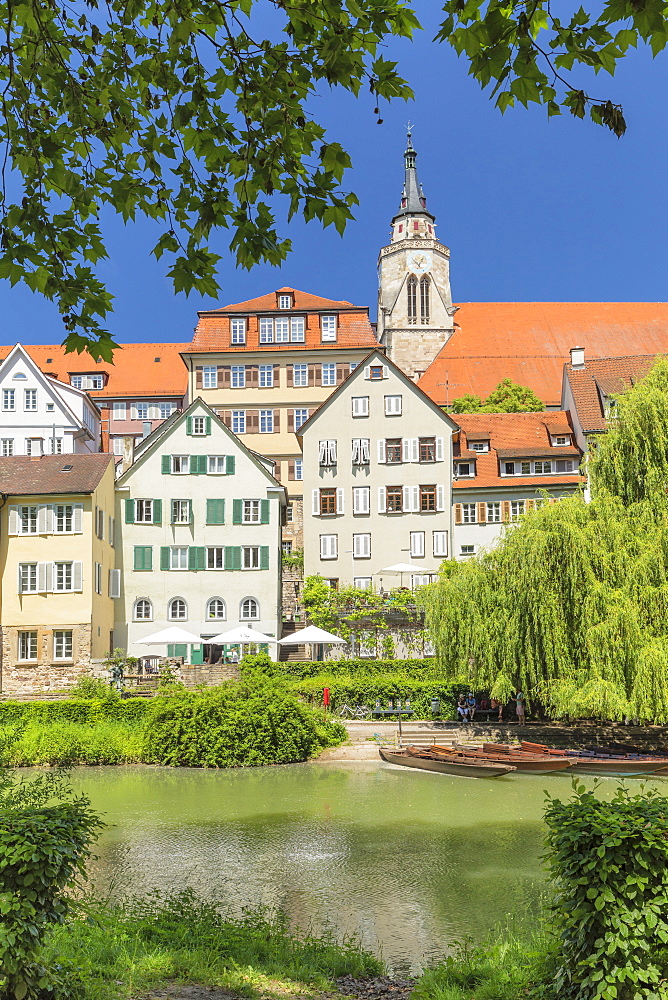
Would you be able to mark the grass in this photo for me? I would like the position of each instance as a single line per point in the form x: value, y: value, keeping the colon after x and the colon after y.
x: 123, y: 951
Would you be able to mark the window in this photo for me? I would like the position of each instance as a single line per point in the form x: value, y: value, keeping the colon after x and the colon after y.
x: 299, y: 469
x: 143, y: 610
x: 564, y: 466
x: 216, y: 465
x: 143, y: 558
x: 27, y: 645
x: 394, y: 499
x: 425, y: 290
x: 238, y: 331
x: 119, y: 411
x: 178, y: 557
x: 285, y: 301
x: 289, y: 512
x: 327, y: 453
x: 199, y: 425
x: 180, y: 464
x: 328, y: 501
x: 417, y: 544
x: 509, y: 468
x: 95, y: 382
x: 467, y: 550
x: 266, y: 330
x: 180, y: 511
x: 360, y: 406
x: 144, y: 511
x: 7, y: 446
x: 251, y: 512
x: 64, y: 515
x: 329, y: 546
x: 34, y: 446
x: 427, y: 498
x: 8, y: 401
x: 411, y: 293
x: 376, y: 372
x: 516, y: 508
x: 440, y: 543
x: 239, y: 421
x: 98, y: 578
x: 297, y: 329
x: 282, y: 331
x: 464, y: 469
x: 27, y: 578
x: 329, y: 374
x: 558, y: 439
x: 215, y: 557
x: 526, y: 468
x: 250, y: 557
x: 99, y: 522
x: 140, y: 411
x: 361, y: 499
x: 266, y: 376
x: 542, y: 468
x: 393, y: 451
x: 286, y: 548
x: 28, y: 517
x: 427, y: 449
x: 177, y: 610
x: 56, y: 446
x: 238, y: 376
x: 63, y: 576
x: 165, y: 410
x: 301, y: 416
x: 266, y: 421
x: 362, y: 546
x: 215, y: 609
x: 76, y: 381
x: 249, y: 609
x: 393, y: 406
x: 469, y: 515
x: 30, y: 399
x: 494, y: 512
x: 479, y: 446
x: 361, y: 451
x: 328, y: 328
x: 210, y: 377
x: 300, y: 375
x: 117, y: 445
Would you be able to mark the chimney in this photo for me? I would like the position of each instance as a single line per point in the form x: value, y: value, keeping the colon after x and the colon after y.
x: 577, y: 357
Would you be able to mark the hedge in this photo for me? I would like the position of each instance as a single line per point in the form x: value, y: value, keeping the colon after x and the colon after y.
x: 364, y: 690
x: 81, y: 710
x: 420, y: 668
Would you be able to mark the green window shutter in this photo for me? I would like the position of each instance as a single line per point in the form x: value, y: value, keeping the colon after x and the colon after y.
x: 196, y: 557
x: 201, y: 557
x: 237, y: 511
x: 197, y: 654
x: 264, y: 557
x: 232, y: 557
x: 191, y: 516
x: 264, y: 512
x: 237, y: 556
x: 148, y: 557
x: 208, y: 424
x: 202, y: 462
x: 143, y: 557
x: 215, y: 512
x: 166, y: 464
x: 192, y: 557
x: 170, y: 649
x: 157, y: 511
x: 197, y: 465
x: 138, y: 557
x: 189, y: 425
x: 164, y: 557
x: 129, y: 512
x: 181, y: 649
x: 229, y: 465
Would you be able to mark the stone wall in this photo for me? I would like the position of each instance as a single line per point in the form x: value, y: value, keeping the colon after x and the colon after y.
x: 43, y: 674
x: 293, y: 531
x: 577, y: 735
x: 292, y: 602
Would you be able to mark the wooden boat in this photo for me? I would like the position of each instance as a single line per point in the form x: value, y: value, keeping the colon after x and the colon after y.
x: 525, y: 762
x: 426, y: 762
x: 613, y: 765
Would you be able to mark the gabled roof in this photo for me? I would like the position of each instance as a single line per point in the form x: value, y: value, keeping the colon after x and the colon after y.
x: 521, y: 435
x: 57, y: 389
x: 380, y: 358
x: 528, y: 342
x: 61, y: 474
x: 269, y: 303
x: 601, y: 377
x: 138, y: 370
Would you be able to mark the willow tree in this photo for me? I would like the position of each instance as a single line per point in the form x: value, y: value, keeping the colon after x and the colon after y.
x: 572, y: 606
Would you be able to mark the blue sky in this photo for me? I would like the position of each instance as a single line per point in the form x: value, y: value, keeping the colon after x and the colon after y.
x: 531, y: 209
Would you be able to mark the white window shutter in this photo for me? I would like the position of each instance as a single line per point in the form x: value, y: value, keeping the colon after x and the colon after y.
x: 322, y: 453
x: 18, y: 582
x: 381, y: 451
x: 45, y: 577
x: 49, y: 519
x: 439, y: 449
x: 77, y: 519
x: 415, y: 498
x: 364, y: 443
x: 367, y: 371
x: 340, y: 494
x: 77, y: 576
x: 407, y: 498
x: 332, y: 452
x: 415, y: 449
x: 114, y: 583
x: 356, y: 546
x: 14, y: 521
x: 315, y: 502
x: 406, y: 450
x: 366, y: 498
x: 386, y: 371
x: 382, y: 501
x: 357, y: 445
x: 440, y: 498
x: 41, y: 519
x: 357, y: 499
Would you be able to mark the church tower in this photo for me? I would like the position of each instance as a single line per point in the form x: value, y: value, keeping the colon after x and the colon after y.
x: 415, y: 310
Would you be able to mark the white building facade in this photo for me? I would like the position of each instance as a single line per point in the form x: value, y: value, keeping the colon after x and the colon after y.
x: 39, y: 415
x: 199, y: 519
x: 377, y: 480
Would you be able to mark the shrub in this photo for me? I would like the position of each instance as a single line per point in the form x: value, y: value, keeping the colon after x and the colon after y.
x: 418, y: 668
x: 610, y: 864
x: 365, y: 688
x: 93, y: 687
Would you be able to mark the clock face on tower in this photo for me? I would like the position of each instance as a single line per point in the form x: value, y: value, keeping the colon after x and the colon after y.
x: 419, y: 261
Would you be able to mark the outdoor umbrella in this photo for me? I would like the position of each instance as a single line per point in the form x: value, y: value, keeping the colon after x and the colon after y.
x: 240, y: 634
x: 310, y: 634
x: 172, y: 634
x: 402, y: 568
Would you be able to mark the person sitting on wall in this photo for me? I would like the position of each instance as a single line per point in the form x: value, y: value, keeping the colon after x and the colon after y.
x: 471, y: 705
x: 462, y: 710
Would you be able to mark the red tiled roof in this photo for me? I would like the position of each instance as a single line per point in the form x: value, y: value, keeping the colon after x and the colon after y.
x: 521, y: 434
x: 353, y: 328
x: 529, y: 342
x: 134, y: 372
x: 21, y: 476
x: 610, y: 376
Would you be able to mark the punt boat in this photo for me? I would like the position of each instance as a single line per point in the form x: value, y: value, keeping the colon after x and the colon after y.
x: 528, y: 763
x: 613, y: 765
x: 416, y: 757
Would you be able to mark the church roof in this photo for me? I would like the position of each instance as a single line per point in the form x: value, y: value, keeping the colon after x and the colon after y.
x: 529, y: 342
x: 413, y: 200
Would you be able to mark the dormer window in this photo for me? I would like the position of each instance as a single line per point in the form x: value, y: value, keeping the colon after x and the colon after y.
x: 463, y: 469
x: 560, y: 440
x: 482, y: 447
x: 238, y: 331
x: 285, y: 301
x: 87, y: 381
x: 327, y: 328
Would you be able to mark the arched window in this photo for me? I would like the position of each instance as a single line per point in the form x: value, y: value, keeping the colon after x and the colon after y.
x: 178, y: 610
x: 249, y: 609
x: 411, y: 286
x: 425, y: 291
x: 143, y: 610
x: 215, y: 609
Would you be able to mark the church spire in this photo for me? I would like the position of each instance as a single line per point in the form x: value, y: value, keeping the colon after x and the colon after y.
x: 413, y: 201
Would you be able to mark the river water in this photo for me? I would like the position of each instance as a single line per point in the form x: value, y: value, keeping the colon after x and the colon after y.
x: 409, y: 862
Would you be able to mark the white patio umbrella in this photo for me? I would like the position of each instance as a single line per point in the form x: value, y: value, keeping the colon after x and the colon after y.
x: 170, y: 635
x: 310, y: 634
x: 241, y: 634
x: 402, y: 568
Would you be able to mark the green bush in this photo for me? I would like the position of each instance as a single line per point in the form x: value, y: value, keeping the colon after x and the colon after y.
x: 93, y: 687
x: 363, y: 689
x: 610, y: 864
x: 82, y: 710
x: 65, y: 744
x: 419, y: 669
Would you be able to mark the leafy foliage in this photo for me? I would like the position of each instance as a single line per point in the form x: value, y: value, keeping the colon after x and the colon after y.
x: 363, y: 689
x: 44, y: 845
x: 508, y: 397
x: 610, y: 864
x: 418, y: 669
